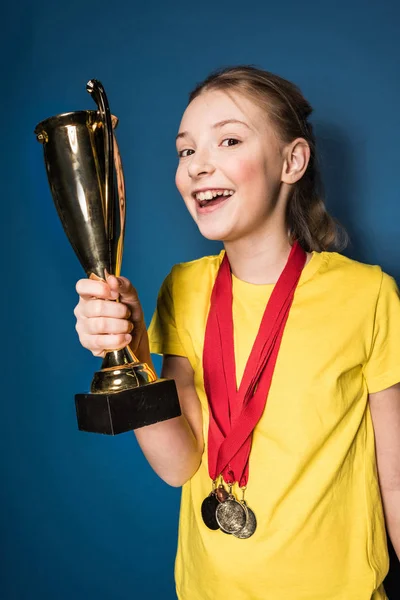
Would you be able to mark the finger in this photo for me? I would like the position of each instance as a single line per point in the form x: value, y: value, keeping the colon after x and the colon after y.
x: 97, y: 343
x: 101, y: 325
x: 89, y: 288
x: 103, y: 308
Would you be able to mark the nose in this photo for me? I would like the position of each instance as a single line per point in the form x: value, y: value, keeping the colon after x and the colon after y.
x: 200, y: 165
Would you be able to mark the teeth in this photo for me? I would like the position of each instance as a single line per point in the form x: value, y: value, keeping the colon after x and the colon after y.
x: 210, y: 194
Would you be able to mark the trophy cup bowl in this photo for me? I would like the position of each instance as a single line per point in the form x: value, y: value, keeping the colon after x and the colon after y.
x: 86, y: 180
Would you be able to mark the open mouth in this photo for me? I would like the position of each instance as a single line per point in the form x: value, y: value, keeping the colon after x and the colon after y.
x: 211, y: 198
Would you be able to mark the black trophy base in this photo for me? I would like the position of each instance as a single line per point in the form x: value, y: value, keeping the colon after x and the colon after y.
x: 113, y: 413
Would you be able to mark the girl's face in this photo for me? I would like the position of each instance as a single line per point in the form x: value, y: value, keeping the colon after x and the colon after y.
x: 230, y: 166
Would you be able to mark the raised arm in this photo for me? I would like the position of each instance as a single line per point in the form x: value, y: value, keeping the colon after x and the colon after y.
x: 174, y: 447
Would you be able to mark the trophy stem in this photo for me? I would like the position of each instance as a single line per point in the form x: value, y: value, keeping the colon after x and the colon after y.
x: 120, y: 371
x: 118, y: 358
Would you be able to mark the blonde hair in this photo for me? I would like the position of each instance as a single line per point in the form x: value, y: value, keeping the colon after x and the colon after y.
x: 307, y: 219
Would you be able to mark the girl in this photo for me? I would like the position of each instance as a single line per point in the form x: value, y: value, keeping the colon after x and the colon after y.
x: 286, y: 359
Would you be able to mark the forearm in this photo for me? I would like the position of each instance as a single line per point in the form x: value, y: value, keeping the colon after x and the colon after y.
x: 171, y: 449
x: 391, y: 504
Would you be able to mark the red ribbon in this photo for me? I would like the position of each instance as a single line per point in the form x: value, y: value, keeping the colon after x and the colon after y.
x: 234, y: 413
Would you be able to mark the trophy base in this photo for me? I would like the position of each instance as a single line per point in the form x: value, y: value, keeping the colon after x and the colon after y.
x: 118, y: 412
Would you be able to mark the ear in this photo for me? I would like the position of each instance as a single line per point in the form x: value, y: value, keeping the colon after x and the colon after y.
x: 297, y: 157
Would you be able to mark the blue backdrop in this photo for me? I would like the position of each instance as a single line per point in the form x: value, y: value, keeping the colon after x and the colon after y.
x: 83, y: 516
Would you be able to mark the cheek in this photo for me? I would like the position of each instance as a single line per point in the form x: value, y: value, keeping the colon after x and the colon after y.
x: 177, y: 179
x: 258, y: 175
x: 180, y: 181
x: 248, y: 171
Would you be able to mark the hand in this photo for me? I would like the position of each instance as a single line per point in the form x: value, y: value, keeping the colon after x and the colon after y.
x: 104, y: 324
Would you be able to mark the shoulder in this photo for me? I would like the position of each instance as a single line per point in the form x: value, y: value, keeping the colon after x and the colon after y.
x: 349, y: 266
x: 196, y: 273
x: 354, y: 276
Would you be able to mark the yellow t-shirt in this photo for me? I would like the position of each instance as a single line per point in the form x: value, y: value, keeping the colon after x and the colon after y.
x: 313, y: 480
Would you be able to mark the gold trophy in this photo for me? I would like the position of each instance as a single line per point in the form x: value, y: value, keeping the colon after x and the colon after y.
x: 86, y: 180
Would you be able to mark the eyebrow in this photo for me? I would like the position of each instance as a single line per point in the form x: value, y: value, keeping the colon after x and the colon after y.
x: 182, y: 134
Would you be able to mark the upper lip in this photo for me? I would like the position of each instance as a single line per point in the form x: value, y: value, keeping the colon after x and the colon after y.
x: 209, y: 188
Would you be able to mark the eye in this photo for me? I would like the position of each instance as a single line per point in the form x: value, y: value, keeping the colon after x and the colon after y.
x: 185, y: 152
x: 231, y: 142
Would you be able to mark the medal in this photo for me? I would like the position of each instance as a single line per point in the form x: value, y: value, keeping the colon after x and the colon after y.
x: 234, y: 412
x: 222, y: 495
x: 208, y: 508
x: 250, y: 525
x: 251, y: 521
x: 231, y: 516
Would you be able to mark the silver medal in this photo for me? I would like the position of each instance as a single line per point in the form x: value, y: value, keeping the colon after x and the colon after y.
x: 250, y: 525
x: 231, y: 515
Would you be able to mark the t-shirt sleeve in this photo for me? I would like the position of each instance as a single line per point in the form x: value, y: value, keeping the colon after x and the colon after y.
x: 163, y: 333
x: 382, y: 369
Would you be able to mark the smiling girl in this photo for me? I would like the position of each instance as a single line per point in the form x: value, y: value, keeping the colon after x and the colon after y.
x: 286, y: 358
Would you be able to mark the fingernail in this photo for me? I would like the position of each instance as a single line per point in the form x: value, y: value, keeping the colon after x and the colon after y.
x: 128, y: 337
x: 114, y: 294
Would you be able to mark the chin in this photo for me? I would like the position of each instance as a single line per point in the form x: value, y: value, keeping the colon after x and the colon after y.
x: 215, y: 234
x: 218, y: 227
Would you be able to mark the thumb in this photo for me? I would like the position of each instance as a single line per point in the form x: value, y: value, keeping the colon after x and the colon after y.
x: 113, y: 283
x: 126, y: 289
x: 127, y: 293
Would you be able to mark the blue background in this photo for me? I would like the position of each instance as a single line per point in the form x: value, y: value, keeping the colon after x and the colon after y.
x: 83, y: 516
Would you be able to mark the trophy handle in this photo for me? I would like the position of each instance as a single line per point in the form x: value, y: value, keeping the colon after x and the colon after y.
x: 121, y: 204
x: 95, y: 88
x: 112, y: 158
x: 113, y: 358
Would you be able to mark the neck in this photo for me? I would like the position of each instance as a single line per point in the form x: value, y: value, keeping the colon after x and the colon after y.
x: 259, y: 259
